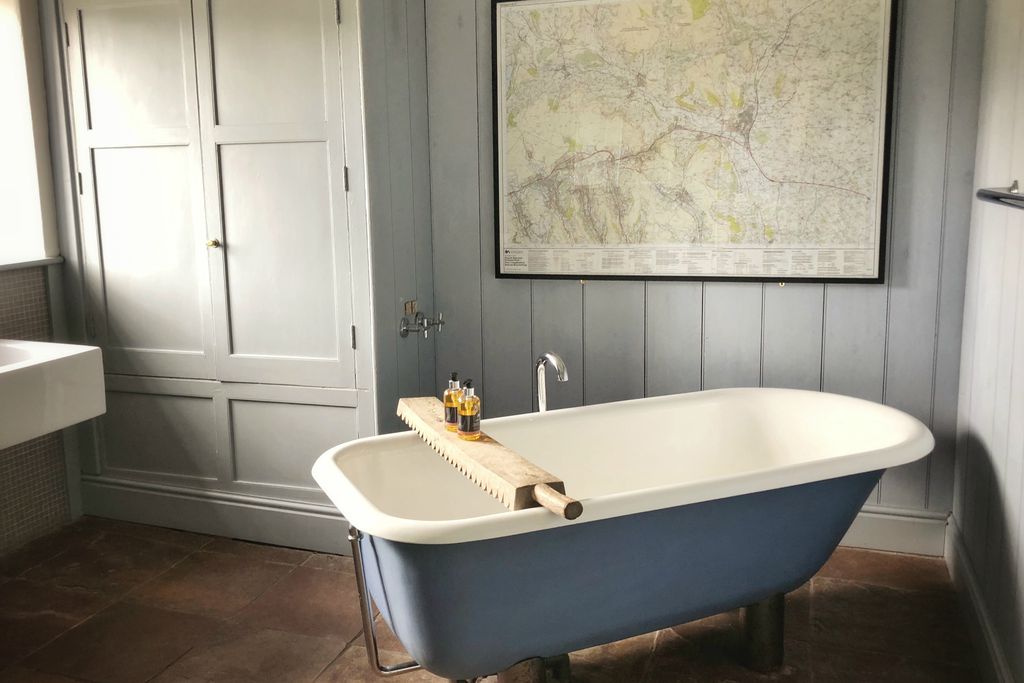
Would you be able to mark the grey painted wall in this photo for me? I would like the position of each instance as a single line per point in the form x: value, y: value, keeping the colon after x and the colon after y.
x: 988, y: 517
x: 897, y: 343
x: 393, y: 41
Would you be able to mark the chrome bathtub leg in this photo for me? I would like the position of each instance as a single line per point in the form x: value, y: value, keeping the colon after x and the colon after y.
x: 763, y: 633
x: 366, y: 612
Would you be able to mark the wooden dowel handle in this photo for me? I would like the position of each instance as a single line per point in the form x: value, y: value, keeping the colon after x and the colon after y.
x: 559, y: 503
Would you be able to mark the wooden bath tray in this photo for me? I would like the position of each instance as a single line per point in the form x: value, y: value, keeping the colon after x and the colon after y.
x: 499, y: 470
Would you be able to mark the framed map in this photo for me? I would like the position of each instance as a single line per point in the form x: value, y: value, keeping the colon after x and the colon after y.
x: 692, y: 139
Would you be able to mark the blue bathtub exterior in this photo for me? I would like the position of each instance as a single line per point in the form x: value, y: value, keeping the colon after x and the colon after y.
x: 476, y: 608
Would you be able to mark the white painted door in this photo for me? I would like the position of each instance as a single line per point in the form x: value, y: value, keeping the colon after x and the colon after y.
x: 134, y: 97
x: 269, y: 78
x: 234, y: 140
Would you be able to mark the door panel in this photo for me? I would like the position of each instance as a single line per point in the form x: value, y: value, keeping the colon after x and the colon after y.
x: 150, y: 262
x: 277, y: 443
x: 133, y: 90
x: 148, y: 36
x: 273, y: 146
x: 271, y: 237
x: 279, y: 77
x: 160, y: 434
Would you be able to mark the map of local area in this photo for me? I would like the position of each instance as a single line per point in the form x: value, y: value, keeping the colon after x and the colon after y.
x: 702, y: 138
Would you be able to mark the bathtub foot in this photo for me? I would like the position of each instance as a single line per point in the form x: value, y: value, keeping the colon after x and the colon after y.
x: 537, y: 670
x: 763, y: 629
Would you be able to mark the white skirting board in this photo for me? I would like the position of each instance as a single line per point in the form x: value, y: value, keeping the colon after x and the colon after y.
x: 994, y: 667
x: 311, y: 527
x: 322, y: 528
x: 901, y: 531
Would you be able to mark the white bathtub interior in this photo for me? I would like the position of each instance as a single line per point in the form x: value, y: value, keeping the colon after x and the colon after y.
x: 627, y: 448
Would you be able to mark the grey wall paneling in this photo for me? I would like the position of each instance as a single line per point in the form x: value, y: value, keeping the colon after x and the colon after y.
x: 394, y: 89
x: 673, y: 337
x: 914, y: 242
x: 732, y: 334
x: 452, y: 62
x: 791, y: 343
x: 613, y: 341
x: 853, y: 346
x: 418, y: 121
x: 895, y: 342
x: 959, y: 193
x: 984, y: 314
x: 986, y: 552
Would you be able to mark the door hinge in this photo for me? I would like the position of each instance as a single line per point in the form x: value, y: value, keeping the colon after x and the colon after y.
x: 346, y: 180
x: 337, y: 11
x: 353, y: 336
x: 80, y: 182
x: 90, y: 326
x: 67, y: 35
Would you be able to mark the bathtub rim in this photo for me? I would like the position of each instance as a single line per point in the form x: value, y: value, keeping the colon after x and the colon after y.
x: 360, y: 512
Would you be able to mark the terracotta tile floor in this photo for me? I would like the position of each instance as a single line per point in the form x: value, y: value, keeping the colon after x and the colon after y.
x: 108, y: 601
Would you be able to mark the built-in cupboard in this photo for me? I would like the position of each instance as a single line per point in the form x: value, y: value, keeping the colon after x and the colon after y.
x: 224, y: 258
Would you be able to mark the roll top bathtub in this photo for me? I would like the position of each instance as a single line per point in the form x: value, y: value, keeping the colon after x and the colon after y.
x: 693, y: 505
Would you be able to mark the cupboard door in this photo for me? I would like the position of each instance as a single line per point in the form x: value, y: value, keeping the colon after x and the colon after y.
x: 271, y: 103
x: 136, y: 125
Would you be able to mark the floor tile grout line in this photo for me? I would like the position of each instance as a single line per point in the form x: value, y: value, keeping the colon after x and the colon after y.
x: 348, y: 646
x: 22, y: 661
x: 151, y: 579
x: 263, y: 592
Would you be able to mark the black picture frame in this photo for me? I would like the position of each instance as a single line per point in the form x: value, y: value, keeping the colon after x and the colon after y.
x: 886, y: 208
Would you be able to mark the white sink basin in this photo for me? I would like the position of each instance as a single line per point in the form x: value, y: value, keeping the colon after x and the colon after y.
x: 45, y: 387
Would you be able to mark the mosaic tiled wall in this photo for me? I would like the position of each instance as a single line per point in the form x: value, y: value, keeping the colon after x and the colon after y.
x: 33, y: 488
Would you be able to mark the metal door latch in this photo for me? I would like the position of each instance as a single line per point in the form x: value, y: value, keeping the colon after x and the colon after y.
x: 420, y: 323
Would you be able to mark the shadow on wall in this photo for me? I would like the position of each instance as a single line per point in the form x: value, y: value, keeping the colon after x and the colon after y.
x: 990, y: 531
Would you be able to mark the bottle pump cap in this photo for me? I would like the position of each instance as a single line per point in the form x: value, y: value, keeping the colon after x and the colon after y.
x: 453, y: 383
x: 468, y: 386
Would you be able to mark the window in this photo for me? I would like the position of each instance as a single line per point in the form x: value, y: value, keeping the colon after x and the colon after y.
x: 26, y: 187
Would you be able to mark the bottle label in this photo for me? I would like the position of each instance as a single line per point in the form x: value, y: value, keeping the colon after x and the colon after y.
x: 469, y: 424
x: 451, y: 415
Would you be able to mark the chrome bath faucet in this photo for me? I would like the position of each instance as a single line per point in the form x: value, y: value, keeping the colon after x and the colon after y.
x: 562, y: 374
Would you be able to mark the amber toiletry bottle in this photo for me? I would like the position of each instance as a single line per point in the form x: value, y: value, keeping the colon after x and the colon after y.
x: 452, y: 397
x: 469, y: 413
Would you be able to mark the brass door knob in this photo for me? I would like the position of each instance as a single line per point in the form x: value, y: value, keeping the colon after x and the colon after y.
x: 213, y: 244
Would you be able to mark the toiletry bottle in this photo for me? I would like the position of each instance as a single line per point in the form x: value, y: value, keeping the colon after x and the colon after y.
x: 469, y: 413
x: 451, y: 399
